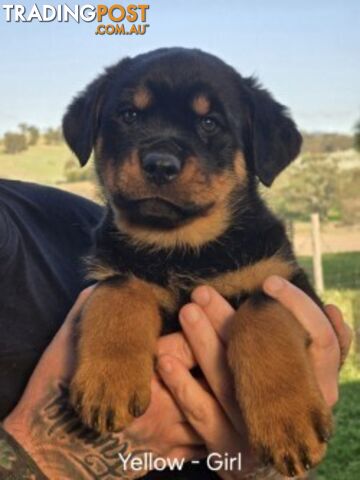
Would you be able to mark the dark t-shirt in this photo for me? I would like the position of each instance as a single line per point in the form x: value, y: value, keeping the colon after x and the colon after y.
x: 44, y: 233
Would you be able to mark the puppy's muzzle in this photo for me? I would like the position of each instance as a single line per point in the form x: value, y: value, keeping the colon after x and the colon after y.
x: 161, y: 167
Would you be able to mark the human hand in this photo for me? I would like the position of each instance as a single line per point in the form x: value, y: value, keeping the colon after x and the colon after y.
x: 62, y: 447
x: 214, y: 414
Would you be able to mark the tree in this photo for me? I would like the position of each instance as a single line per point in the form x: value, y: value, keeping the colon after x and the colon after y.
x: 349, y: 182
x: 23, y: 127
x: 309, y: 186
x: 33, y: 134
x: 357, y: 136
x: 53, y: 136
x: 14, y: 142
x: 316, y: 143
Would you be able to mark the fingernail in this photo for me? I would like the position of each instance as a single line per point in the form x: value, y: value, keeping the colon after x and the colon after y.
x: 189, y: 314
x: 274, y: 284
x: 165, y: 365
x: 201, y: 296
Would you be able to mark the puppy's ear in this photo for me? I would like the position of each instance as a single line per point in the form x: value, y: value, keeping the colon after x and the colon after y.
x: 81, y: 121
x: 272, y: 138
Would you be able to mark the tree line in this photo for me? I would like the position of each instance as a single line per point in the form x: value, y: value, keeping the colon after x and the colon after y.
x: 27, y: 136
x: 316, y: 182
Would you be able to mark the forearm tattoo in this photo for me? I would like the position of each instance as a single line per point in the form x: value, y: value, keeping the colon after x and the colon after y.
x: 65, y: 449
x: 15, y: 463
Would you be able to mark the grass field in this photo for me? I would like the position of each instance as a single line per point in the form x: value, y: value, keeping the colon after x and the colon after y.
x: 41, y: 164
x: 341, y: 270
x: 45, y: 164
x: 343, y: 459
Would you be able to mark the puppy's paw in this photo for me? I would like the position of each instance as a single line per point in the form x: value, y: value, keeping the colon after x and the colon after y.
x: 109, y: 393
x: 293, y: 439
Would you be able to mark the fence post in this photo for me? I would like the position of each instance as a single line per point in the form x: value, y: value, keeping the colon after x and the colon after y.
x: 317, y: 262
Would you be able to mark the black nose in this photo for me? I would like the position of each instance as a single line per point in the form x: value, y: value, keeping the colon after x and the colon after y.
x: 161, y: 167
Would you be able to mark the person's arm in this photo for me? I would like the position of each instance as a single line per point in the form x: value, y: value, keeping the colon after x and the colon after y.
x: 56, y: 445
x: 14, y: 460
x: 213, y: 411
x: 62, y: 448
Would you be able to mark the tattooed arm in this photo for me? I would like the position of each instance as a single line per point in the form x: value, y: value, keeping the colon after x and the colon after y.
x: 57, y: 446
x: 14, y: 459
x: 62, y: 447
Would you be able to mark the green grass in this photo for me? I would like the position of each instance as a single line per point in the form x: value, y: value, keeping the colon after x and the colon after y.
x: 341, y: 270
x: 41, y: 164
x: 343, y: 458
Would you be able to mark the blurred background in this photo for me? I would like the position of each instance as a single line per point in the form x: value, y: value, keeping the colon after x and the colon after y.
x: 307, y: 54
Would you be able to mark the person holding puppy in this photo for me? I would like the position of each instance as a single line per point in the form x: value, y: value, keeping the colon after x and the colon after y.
x: 188, y: 417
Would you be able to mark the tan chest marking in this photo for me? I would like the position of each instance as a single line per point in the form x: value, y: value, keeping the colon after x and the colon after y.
x: 244, y: 280
x: 251, y: 278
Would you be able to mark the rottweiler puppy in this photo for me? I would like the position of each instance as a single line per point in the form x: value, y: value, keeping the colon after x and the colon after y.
x: 181, y: 141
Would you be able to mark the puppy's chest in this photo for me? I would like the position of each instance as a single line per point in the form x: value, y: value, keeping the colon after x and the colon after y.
x: 174, y: 279
x: 179, y: 287
x: 236, y: 283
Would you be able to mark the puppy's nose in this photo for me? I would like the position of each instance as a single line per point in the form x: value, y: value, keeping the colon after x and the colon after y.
x: 161, y: 167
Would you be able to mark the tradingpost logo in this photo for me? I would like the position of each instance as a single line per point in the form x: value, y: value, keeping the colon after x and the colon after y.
x: 116, y: 19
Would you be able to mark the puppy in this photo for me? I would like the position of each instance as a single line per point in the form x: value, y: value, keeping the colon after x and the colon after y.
x: 181, y: 141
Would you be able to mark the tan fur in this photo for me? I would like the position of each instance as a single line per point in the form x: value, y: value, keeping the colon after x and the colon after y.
x: 119, y: 328
x: 201, y: 105
x: 99, y: 271
x: 192, y: 185
x: 167, y: 299
x: 192, y: 235
x: 252, y: 277
x: 240, y: 166
x: 246, y: 280
x: 142, y: 98
x: 269, y: 359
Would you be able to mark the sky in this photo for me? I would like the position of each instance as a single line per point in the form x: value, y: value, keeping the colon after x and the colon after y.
x: 306, y: 53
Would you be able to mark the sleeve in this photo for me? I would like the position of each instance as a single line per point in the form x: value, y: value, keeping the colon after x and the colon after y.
x: 15, y: 463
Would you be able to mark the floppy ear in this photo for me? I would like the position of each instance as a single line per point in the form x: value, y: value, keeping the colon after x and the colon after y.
x: 81, y: 121
x: 273, y: 139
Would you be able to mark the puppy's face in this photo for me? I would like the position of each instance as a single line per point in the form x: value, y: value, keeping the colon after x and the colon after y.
x: 178, y: 137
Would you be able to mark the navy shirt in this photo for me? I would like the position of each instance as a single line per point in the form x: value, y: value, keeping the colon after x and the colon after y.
x: 44, y: 233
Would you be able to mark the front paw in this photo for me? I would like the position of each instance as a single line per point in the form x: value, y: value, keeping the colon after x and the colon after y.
x: 292, y: 435
x: 108, y: 393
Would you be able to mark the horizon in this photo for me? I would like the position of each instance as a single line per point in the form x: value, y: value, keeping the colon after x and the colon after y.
x: 307, y: 56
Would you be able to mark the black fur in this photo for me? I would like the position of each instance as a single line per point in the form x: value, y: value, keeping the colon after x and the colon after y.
x: 253, y: 120
x: 248, y: 120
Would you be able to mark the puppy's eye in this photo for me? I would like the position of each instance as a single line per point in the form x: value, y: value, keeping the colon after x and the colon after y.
x: 208, y: 124
x: 130, y: 116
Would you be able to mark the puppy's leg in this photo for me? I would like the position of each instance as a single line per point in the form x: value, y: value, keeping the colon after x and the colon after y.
x: 288, y: 420
x: 119, y: 327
